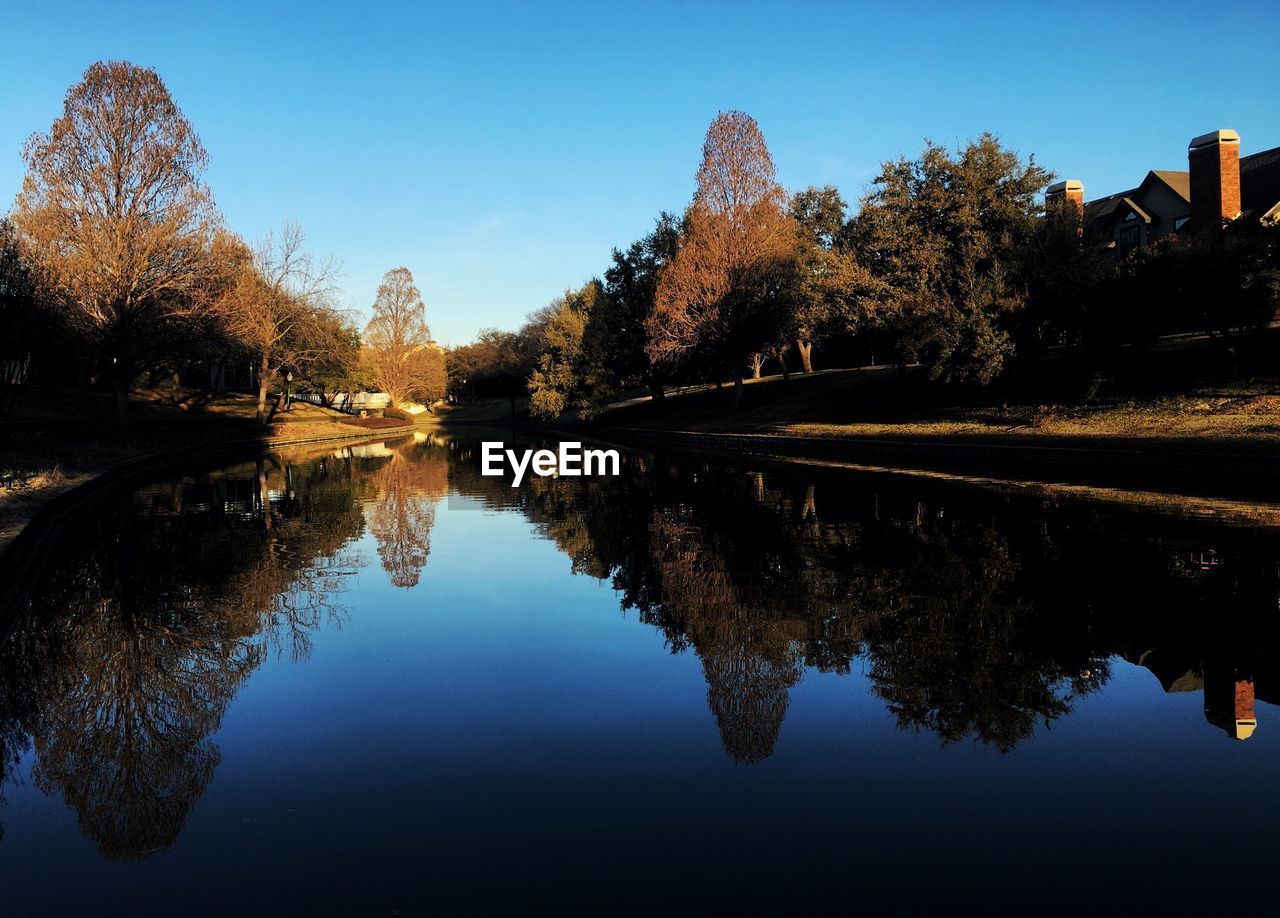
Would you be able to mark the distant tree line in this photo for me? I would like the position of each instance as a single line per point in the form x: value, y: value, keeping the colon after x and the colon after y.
x: 950, y: 261
x: 116, y: 269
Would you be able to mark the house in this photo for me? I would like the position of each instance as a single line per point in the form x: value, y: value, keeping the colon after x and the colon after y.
x: 1219, y: 186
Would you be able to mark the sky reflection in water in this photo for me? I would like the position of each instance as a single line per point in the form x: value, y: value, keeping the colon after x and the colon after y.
x: 358, y: 680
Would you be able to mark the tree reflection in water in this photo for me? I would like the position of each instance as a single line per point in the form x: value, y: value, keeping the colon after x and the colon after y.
x: 973, y: 615
x: 148, y: 625
x: 410, y: 482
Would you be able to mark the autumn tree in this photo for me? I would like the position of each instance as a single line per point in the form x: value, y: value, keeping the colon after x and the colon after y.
x: 410, y: 487
x: 402, y: 359
x: 116, y: 218
x: 722, y: 292
x: 277, y: 302
x: 942, y: 237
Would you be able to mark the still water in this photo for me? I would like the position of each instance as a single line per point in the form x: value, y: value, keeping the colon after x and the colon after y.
x: 370, y: 681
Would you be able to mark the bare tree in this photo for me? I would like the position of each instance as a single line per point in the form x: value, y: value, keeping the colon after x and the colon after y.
x: 722, y: 291
x: 402, y: 359
x: 277, y: 301
x: 114, y: 215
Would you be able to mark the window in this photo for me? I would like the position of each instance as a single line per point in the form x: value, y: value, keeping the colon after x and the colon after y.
x: 1180, y: 223
x: 1129, y: 236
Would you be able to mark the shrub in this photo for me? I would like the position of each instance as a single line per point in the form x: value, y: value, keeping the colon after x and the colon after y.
x: 397, y: 413
x: 373, y: 423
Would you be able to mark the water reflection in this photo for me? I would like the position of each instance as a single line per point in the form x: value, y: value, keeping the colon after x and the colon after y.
x: 153, y: 618
x: 973, y: 615
x: 409, y: 483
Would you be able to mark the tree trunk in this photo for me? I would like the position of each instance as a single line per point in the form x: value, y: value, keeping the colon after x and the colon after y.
x: 120, y: 388
x: 757, y: 362
x: 276, y: 404
x: 656, y: 390
x: 805, y: 349
x: 737, y: 390
x: 264, y: 376
x: 264, y: 494
x: 512, y: 399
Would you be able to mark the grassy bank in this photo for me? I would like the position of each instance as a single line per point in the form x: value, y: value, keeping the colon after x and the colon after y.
x: 1220, y: 440
x: 880, y: 403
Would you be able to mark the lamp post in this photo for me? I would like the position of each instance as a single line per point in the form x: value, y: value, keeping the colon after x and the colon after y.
x: 288, y: 400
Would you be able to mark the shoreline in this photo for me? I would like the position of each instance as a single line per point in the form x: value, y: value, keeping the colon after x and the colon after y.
x: 1241, y: 486
x: 23, y: 550
x: 1253, y: 511
x: 1177, y: 467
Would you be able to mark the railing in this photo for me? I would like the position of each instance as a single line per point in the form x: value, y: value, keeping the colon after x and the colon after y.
x: 341, y: 401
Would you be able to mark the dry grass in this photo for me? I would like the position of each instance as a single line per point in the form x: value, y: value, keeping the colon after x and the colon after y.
x: 36, y: 467
x: 1252, y: 417
x: 880, y: 403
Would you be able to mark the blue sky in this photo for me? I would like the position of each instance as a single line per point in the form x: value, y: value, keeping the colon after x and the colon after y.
x: 501, y: 150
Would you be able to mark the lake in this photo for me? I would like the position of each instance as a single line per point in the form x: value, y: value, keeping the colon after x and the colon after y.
x: 368, y: 680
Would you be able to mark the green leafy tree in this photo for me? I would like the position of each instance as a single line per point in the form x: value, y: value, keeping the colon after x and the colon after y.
x: 942, y: 236
x: 496, y: 365
x: 616, y: 329
x: 828, y: 275
x: 34, y: 339
x: 565, y: 373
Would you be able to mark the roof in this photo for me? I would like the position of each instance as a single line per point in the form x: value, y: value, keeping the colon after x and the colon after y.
x: 1259, y: 188
x: 1260, y: 181
x: 1146, y: 217
x: 1104, y: 207
x: 1180, y: 182
x: 1214, y: 137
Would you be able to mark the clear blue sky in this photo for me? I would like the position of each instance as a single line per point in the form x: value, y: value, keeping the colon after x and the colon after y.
x: 501, y: 150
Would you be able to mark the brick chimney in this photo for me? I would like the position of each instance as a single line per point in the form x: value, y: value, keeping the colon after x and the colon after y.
x: 1214, y: 160
x: 1228, y: 701
x: 1060, y: 192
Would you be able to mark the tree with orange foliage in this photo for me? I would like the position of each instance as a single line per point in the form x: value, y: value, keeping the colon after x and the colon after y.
x: 116, y: 219
x: 402, y: 359
x: 278, y: 303
x: 726, y: 291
